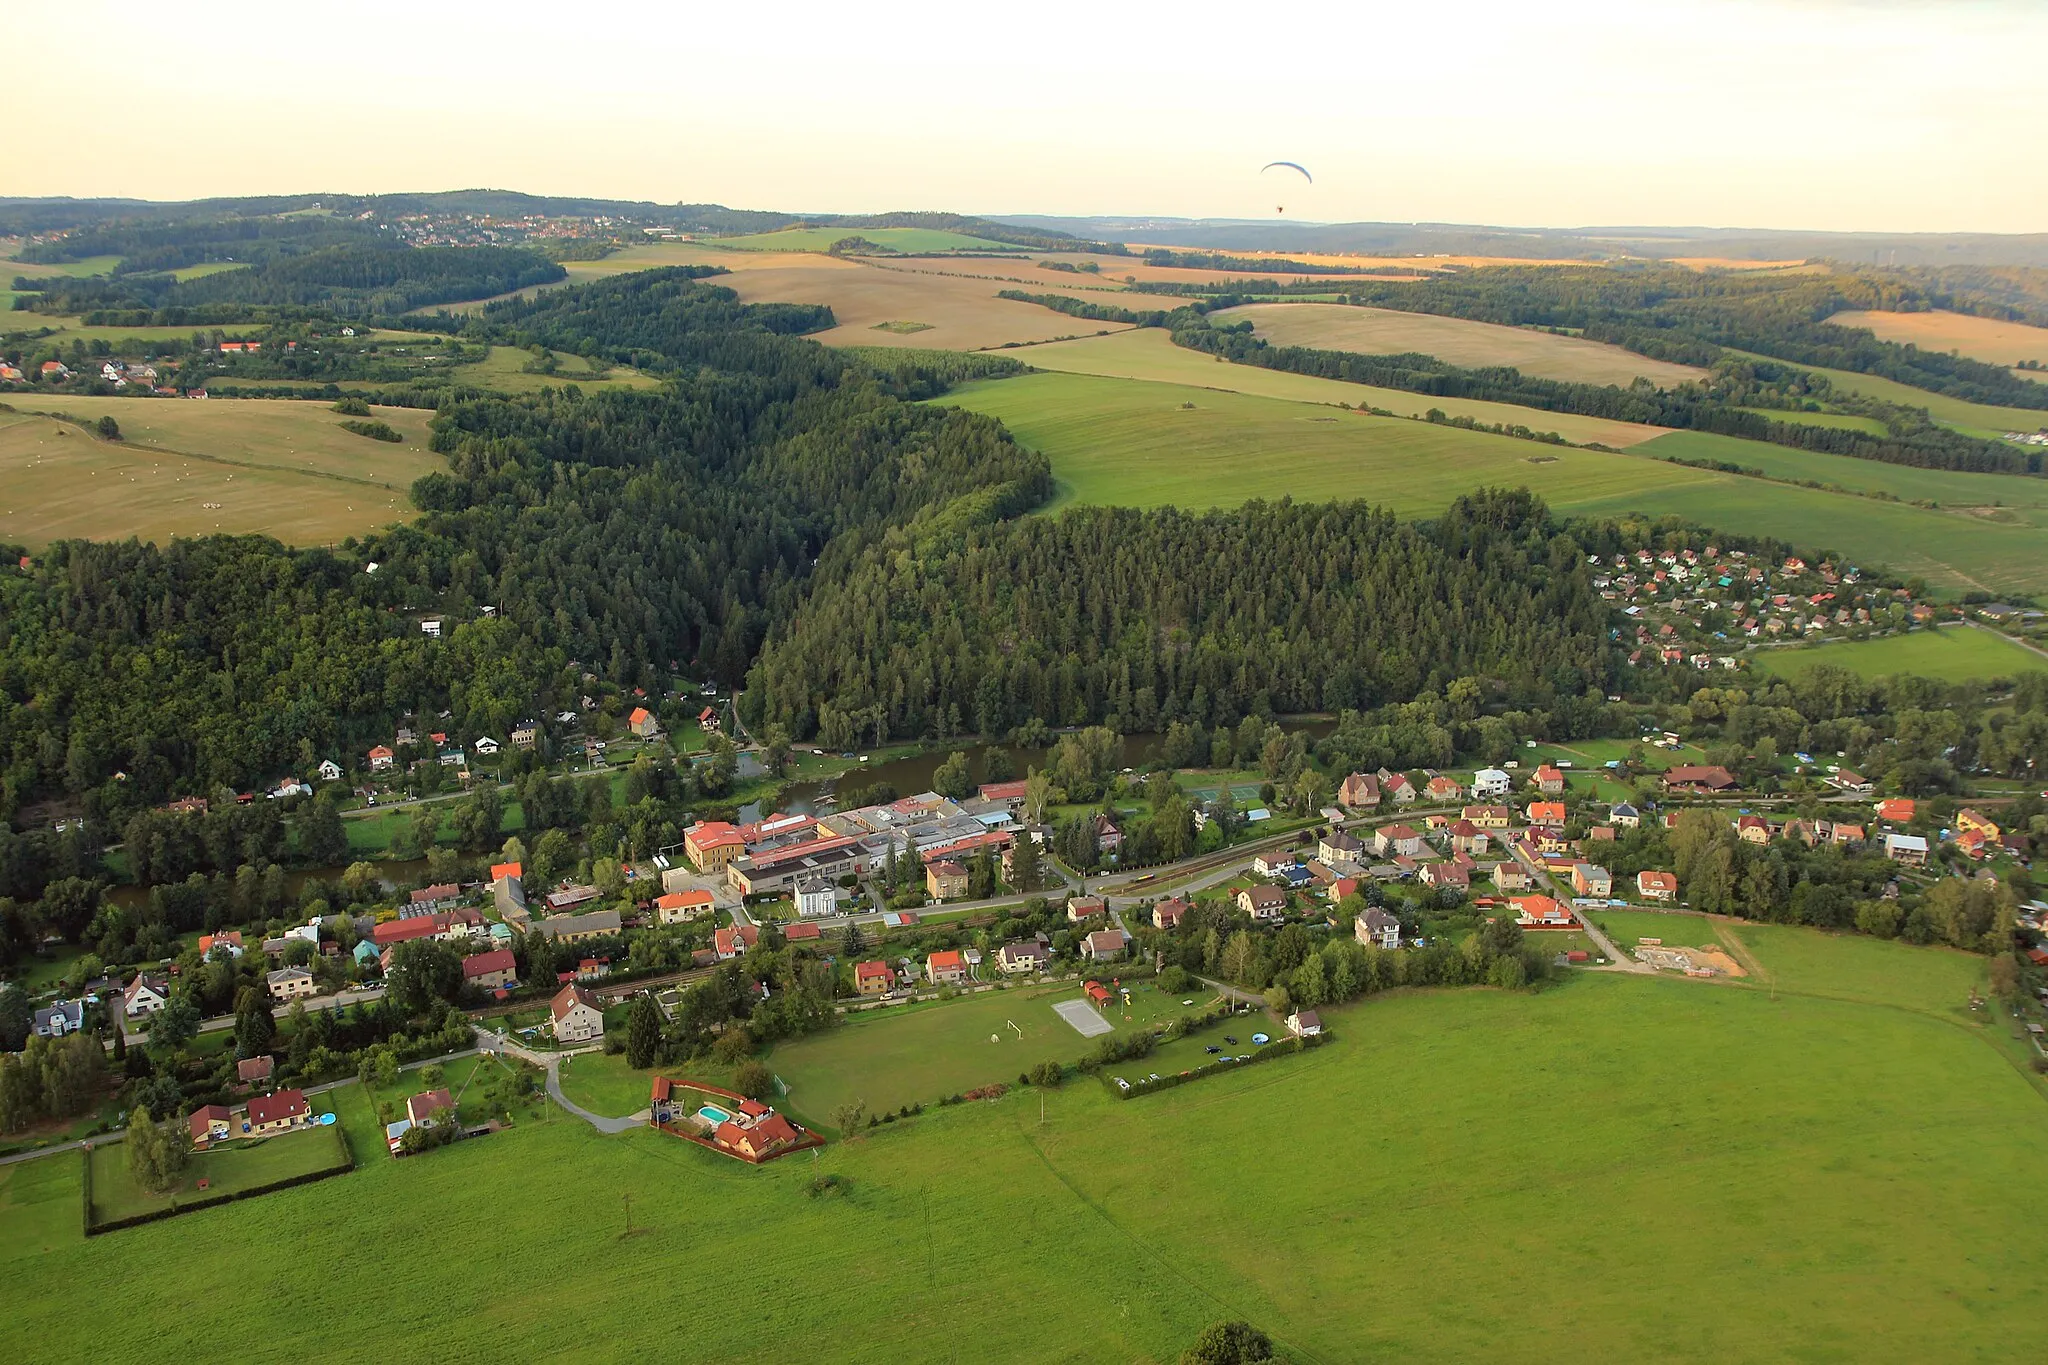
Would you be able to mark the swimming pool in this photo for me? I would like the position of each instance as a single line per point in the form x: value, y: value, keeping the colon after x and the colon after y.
x: 713, y: 1115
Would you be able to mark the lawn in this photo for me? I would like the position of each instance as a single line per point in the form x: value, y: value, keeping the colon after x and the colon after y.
x: 1139, y: 444
x: 1680, y: 929
x: 1714, y: 1174
x: 1953, y: 653
x: 604, y: 1084
x: 896, y: 239
x: 920, y: 1054
x: 1149, y: 353
x: 1935, y: 981
x: 263, y: 1162
x: 192, y: 468
x: 504, y: 370
x: 1385, y: 331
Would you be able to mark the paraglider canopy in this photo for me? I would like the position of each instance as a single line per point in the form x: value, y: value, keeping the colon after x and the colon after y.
x: 1294, y: 166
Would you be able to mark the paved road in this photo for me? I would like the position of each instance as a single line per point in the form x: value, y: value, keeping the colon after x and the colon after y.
x: 1601, y: 941
x: 551, y: 1063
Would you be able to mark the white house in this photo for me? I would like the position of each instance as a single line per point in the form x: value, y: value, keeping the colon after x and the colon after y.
x: 329, y: 770
x: 66, y: 1016
x: 1305, y: 1024
x: 486, y: 746
x: 1272, y: 864
x: 815, y: 898
x: 1491, y: 782
x: 577, y: 1017
x: 145, y: 995
x: 1377, y: 928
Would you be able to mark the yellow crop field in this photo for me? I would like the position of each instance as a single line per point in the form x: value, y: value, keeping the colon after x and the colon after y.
x: 1151, y: 355
x: 185, y: 468
x: 1382, y: 331
x: 1985, y: 339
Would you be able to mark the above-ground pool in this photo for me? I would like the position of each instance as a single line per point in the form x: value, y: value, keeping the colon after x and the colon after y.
x: 713, y: 1115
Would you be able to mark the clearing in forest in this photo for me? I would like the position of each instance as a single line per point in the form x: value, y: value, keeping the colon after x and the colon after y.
x: 1987, y: 339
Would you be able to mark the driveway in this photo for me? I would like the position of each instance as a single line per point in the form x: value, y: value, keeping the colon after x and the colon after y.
x: 551, y: 1063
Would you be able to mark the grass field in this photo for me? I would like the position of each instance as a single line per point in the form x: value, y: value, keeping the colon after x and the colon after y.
x: 116, y: 1195
x: 72, y: 270
x: 1135, y: 444
x: 1383, y: 331
x: 1999, y: 499
x: 1630, y: 927
x: 1955, y: 653
x: 200, y: 272
x: 190, y: 468
x: 504, y: 369
x: 1987, y: 339
x: 1840, y: 421
x: 1933, y: 981
x: 896, y: 239
x: 1150, y: 354
x: 1703, y: 1172
x: 1982, y: 419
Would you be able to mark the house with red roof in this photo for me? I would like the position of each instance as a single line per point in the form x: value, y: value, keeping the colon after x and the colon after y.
x: 489, y: 971
x: 211, y: 1123
x: 577, y: 1016
x: 1547, y: 779
x: 1360, y: 791
x: 1003, y: 791
x: 500, y: 871
x: 707, y: 720
x: 945, y: 967
x: 1541, y: 912
x: 642, y: 723
x: 1546, y: 814
x: 1169, y: 913
x: 730, y: 943
x: 1657, y: 886
x: 381, y: 758
x: 280, y: 1112
x: 1895, y: 810
x: 712, y: 844
x: 679, y: 907
x: 803, y: 933
x: 873, y: 978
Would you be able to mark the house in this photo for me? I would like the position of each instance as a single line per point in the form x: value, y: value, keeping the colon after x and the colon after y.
x: 1541, y: 912
x: 64, y: 1017
x: 1000, y: 792
x: 876, y: 978
x: 1657, y: 886
x: 1971, y: 843
x: 759, y: 1140
x: 1969, y: 820
x: 712, y: 844
x: 290, y: 983
x: 803, y: 933
x: 1263, y: 903
x: 1104, y: 945
x: 1508, y: 875
x: 1466, y: 837
x: 508, y: 894
x: 578, y: 1018
x: 1338, y: 847
x: 945, y: 967
x: 229, y: 941
x: 579, y: 928
x: 1396, y: 840
x: 381, y: 759
x: 1490, y: 782
x: 500, y: 871
x: 427, y: 899
x: 1377, y: 928
x: 1273, y: 863
x: 1080, y: 908
x: 1342, y: 887
x: 1360, y: 791
x: 730, y: 943
x: 255, y: 1070
x: 1489, y: 817
x: 1753, y: 829
x: 1546, y: 815
x: 1895, y: 810
x: 707, y: 720
x: 1624, y: 814
x: 146, y: 994
x: 1447, y: 875
x: 1108, y: 837
x: 815, y: 898
x: 1442, y: 790
x: 1548, y: 780
x: 365, y: 952
x: 1589, y: 880
x: 490, y: 971
x: 1396, y: 787
x: 1169, y: 913
x: 1695, y: 777
x: 1025, y: 955
x: 1856, y: 784
x: 279, y: 1112
x: 1909, y: 849
x: 946, y: 880
x: 1839, y: 833
x: 211, y: 1123
x: 486, y: 746
x: 593, y: 969
x: 526, y: 734
x: 328, y: 771
x: 643, y: 724
x: 679, y: 907
x: 1305, y: 1024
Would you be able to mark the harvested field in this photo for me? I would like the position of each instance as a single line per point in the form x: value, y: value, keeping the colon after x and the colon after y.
x: 1381, y: 331
x: 896, y: 239
x: 186, y: 468
x: 1985, y: 339
x: 1150, y: 354
x: 958, y: 313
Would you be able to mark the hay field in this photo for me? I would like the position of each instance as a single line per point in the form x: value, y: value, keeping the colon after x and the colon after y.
x: 1150, y: 354
x: 187, y: 468
x: 1381, y: 331
x: 1422, y: 263
x: 1954, y: 653
x: 1130, y: 443
x: 1985, y: 339
x: 2006, y: 499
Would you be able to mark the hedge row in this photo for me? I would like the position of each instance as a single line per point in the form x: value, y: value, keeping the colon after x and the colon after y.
x: 1283, y: 1048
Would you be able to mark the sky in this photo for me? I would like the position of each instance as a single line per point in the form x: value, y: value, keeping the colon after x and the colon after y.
x: 1879, y: 115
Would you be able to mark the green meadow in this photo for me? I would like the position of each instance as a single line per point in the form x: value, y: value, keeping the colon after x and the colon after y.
x: 1954, y: 653
x: 504, y: 369
x: 1699, y: 1172
x: 1997, y: 499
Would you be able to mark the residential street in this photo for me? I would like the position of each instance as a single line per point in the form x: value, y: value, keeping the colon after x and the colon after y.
x: 551, y: 1063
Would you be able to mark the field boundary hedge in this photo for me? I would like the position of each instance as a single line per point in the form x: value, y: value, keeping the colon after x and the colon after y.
x: 92, y: 1229
x: 1285, y: 1047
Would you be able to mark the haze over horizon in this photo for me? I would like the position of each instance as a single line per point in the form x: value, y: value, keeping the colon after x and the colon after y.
x: 1825, y: 115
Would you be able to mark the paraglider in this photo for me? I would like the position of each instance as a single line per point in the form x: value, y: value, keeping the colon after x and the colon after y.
x: 1294, y: 166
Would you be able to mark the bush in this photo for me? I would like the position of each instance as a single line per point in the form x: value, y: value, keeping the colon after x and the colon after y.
x: 352, y: 407
x: 754, y: 1080
x: 376, y: 431
x: 1048, y: 1074
x: 1175, y: 979
x: 108, y: 429
x: 1228, y: 1343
